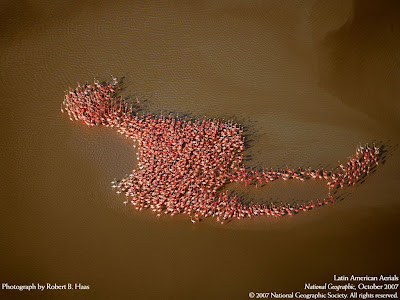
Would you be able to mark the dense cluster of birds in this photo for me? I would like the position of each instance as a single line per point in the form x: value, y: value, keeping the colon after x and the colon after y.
x: 184, y: 164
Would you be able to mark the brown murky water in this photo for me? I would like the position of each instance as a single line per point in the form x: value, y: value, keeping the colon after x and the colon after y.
x: 310, y: 79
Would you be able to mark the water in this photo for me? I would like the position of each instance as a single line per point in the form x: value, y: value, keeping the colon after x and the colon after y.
x: 304, y: 77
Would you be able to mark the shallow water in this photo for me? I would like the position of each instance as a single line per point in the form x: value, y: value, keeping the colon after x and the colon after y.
x: 304, y: 78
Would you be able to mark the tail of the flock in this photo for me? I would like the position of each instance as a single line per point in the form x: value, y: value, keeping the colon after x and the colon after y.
x: 95, y: 104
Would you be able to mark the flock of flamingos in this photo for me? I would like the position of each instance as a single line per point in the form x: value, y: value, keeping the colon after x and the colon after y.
x: 184, y: 164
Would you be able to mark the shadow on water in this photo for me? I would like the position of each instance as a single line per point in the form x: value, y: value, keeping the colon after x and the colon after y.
x: 139, y: 104
x: 287, y: 192
x: 386, y: 149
